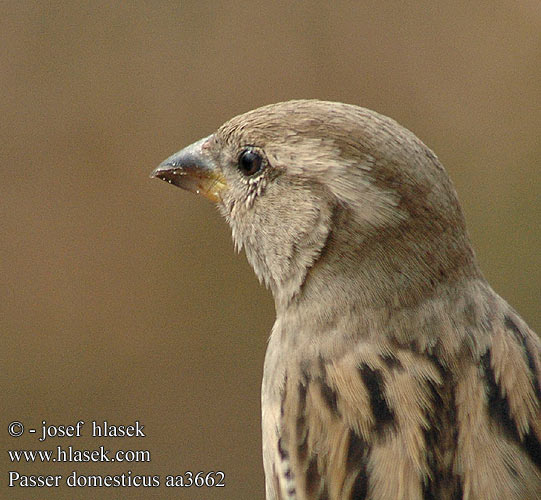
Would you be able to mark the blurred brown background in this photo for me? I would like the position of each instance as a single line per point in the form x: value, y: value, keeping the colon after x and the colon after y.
x: 123, y: 298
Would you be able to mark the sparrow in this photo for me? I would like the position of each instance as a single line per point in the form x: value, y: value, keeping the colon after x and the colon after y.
x: 393, y: 370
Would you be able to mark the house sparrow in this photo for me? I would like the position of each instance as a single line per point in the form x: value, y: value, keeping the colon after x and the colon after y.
x: 393, y: 370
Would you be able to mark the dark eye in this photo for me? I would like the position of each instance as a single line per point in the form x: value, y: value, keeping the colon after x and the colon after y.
x: 250, y: 162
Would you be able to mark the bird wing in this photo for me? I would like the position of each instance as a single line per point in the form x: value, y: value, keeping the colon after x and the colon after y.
x: 385, y: 422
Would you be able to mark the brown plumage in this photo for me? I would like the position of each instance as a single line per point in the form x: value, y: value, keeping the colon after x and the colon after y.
x: 393, y: 370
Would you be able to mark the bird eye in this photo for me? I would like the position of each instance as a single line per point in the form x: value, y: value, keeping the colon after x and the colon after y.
x: 250, y: 162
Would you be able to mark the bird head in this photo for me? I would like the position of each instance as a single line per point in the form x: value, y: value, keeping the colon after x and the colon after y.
x: 309, y: 185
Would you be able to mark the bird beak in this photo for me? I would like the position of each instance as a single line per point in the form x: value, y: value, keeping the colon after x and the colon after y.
x: 193, y: 169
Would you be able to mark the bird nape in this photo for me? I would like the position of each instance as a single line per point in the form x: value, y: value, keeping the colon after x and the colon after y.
x: 393, y: 370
